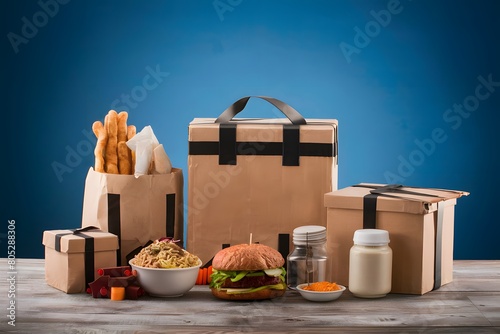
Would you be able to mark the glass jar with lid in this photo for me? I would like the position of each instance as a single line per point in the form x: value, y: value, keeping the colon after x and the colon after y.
x: 307, y: 262
x: 370, y: 264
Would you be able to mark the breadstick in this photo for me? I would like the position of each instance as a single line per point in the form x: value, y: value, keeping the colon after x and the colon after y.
x: 122, y: 126
x: 124, y: 165
x: 123, y: 153
x: 131, y: 131
x: 111, y: 154
x: 161, y: 160
x: 102, y: 138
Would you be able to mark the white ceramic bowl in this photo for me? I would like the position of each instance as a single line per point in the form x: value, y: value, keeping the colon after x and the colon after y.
x: 172, y: 282
x: 320, y: 296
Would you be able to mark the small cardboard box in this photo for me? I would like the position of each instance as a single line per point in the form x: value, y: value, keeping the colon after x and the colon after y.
x: 420, y: 224
x: 72, y: 257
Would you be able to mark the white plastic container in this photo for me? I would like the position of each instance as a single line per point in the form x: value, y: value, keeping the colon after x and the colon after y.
x: 370, y: 264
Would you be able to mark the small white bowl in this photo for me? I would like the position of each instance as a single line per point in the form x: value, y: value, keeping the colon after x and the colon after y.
x: 320, y: 296
x: 173, y: 282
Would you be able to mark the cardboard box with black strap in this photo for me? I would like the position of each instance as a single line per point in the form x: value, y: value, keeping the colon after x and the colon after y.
x: 257, y: 176
x: 420, y: 222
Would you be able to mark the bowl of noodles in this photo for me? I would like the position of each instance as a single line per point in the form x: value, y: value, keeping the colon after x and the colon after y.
x: 165, y: 269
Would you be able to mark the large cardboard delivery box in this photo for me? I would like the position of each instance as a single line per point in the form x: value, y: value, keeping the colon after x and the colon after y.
x: 420, y: 224
x: 259, y: 177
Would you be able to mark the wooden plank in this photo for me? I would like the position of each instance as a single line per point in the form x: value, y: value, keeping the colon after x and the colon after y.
x: 489, y: 306
x: 470, y: 303
x: 474, y: 276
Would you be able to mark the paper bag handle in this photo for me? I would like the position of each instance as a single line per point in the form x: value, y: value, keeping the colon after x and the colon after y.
x: 293, y: 115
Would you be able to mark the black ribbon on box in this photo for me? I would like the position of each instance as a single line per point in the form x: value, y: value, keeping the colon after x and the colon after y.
x: 291, y: 149
x: 229, y: 148
x: 89, y: 249
x: 114, y: 223
x: 370, y: 217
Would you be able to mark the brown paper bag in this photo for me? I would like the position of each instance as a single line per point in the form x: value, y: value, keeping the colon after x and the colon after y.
x: 257, y: 176
x: 137, y: 210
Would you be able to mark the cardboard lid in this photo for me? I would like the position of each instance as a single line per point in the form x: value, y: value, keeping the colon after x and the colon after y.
x: 74, y: 243
x: 420, y: 201
x: 251, y: 129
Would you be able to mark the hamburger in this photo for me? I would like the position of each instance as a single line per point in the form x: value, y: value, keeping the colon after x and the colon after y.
x: 248, y: 272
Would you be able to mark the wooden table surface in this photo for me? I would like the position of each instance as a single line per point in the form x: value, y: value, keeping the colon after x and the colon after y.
x: 470, y: 304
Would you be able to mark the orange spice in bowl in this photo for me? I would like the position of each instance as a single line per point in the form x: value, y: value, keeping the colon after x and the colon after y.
x: 320, y: 291
x: 322, y: 286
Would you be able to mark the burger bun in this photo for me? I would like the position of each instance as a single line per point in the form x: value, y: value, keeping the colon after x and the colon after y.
x: 248, y: 257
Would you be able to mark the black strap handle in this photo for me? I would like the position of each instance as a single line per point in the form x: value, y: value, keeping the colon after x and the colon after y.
x: 438, y: 249
x: 85, y: 229
x: 293, y: 115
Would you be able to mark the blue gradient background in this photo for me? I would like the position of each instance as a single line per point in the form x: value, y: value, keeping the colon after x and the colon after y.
x: 394, y: 91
